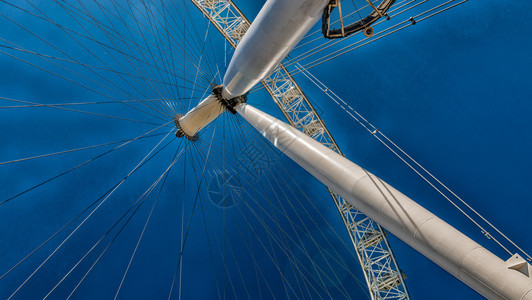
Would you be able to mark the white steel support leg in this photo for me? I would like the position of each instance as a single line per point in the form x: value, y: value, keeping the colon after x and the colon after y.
x: 383, y: 276
x: 279, y: 26
x: 422, y: 230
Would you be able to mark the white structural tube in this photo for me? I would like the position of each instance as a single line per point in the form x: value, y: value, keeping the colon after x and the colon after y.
x: 200, y: 116
x: 422, y: 230
x: 278, y: 27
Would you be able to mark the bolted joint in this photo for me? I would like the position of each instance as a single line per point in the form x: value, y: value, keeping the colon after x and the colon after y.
x: 229, y: 104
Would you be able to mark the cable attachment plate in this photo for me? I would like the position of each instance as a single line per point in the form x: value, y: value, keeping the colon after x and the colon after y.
x: 229, y: 104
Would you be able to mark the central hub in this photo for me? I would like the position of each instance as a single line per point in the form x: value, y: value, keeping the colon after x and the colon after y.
x: 205, y: 112
x: 229, y: 104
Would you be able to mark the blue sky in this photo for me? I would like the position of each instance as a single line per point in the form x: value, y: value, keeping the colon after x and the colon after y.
x: 452, y: 91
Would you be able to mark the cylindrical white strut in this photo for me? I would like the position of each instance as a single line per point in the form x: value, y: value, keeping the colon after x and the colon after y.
x: 278, y: 27
x: 422, y: 230
x: 200, y: 116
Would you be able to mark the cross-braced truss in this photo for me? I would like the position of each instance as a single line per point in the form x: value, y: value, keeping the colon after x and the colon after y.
x: 383, y: 277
